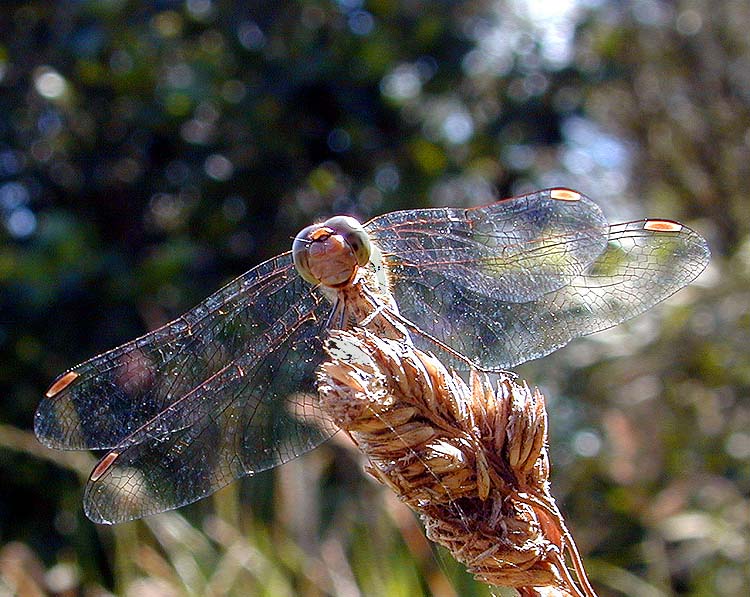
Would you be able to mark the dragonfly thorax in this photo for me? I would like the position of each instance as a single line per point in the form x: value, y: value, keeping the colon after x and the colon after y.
x: 331, y: 253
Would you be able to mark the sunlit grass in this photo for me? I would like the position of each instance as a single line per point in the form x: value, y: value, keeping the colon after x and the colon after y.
x: 361, y: 541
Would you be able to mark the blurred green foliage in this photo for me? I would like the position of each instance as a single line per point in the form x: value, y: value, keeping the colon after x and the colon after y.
x: 150, y: 151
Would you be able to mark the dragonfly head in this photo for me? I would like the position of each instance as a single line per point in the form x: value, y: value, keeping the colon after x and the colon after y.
x: 331, y: 253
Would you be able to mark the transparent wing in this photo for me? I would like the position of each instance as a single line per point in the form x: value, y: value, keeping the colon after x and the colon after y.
x: 514, y: 250
x: 101, y: 403
x: 496, y: 312
x: 259, y: 411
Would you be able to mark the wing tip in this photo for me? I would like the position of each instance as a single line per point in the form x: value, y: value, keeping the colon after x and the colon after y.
x: 94, y: 515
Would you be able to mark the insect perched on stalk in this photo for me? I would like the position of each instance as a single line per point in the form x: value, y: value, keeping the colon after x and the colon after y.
x: 228, y: 388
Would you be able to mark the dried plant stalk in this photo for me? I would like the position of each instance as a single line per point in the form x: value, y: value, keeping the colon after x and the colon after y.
x: 471, y: 460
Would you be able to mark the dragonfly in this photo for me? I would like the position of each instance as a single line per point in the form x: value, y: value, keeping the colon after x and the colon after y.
x: 228, y: 388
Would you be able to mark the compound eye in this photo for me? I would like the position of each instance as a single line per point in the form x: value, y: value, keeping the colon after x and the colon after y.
x: 300, y: 253
x: 354, y: 235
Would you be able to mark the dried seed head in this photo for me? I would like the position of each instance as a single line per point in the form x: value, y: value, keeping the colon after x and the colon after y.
x: 470, y: 459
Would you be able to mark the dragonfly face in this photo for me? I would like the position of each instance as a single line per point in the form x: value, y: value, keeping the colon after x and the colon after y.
x: 331, y: 253
x: 227, y: 389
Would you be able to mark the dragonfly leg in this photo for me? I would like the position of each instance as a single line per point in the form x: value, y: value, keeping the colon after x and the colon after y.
x: 337, y: 317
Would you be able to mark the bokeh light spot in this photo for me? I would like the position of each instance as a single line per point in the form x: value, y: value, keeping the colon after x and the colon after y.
x: 167, y: 23
x: 13, y: 195
x: 361, y: 22
x: 458, y: 127
x: 519, y: 157
x: 168, y: 210
x: 180, y: 75
x: 689, y: 22
x: 21, y: 223
x: 737, y: 445
x: 587, y: 444
x: 348, y: 5
x: 199, y: 9
x: 49, y: 83
x: 218, y: 167
x: 387, y: 177
x: 10, y: 162
x: 250, y: 36
x: 339, y: 140
x: 402, y: 83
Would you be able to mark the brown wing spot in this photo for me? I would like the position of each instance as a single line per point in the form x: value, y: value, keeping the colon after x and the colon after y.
x: 104, y: 465
x: 662, y: 226
x: 564, y: 195
x: 61, y: 384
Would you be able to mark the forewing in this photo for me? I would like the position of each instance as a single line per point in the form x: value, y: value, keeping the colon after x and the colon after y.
x: 642, y: 263
x: 259, y: 411
x: 106, y: 399
x: 514, y: 250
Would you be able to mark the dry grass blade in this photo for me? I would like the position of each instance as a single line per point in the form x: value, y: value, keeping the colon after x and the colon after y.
x: 471, y: 460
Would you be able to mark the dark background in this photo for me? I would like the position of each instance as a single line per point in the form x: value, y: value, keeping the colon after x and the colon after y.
x: 150, y: 151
